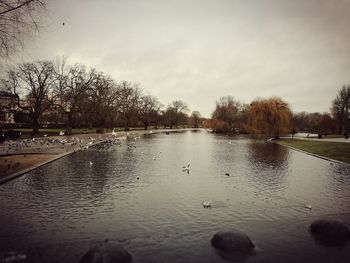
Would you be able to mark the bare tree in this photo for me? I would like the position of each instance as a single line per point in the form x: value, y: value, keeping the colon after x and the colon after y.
x: 175, y: 114
x: 227, y: 111
x: 326, y: 125
x: 31, y: 85
x: 18, y: 18
x: 338, y: 113
x: 148, y: 108
x: 341, y: 110
x: 103, y: 100
x: 71, y: 89
x: 127, y: 101
x: 195, y: 119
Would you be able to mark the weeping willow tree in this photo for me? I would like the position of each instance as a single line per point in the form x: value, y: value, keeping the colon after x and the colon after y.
x: 269, y: 117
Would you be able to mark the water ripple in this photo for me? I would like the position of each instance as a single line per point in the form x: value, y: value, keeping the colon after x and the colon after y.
x: 55, y: 213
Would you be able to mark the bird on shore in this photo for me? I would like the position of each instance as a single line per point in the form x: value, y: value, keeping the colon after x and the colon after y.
x: 138, y: 177
x: 227, y: 174
x: 91, y: 163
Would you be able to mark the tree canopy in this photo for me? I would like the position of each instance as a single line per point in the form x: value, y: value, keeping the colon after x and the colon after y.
x: 269, y: 117
x: 341, y: 109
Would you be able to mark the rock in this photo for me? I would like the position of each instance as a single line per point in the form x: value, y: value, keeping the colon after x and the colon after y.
x: 232, y: 241
x: 330, y: 232
x: 107, y: 253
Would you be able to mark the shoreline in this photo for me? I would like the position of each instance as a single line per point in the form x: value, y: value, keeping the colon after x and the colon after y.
x: 309, y: 150
x: 29, y: 162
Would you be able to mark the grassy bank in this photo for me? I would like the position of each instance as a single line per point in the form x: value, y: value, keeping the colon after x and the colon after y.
x: 334, y: 150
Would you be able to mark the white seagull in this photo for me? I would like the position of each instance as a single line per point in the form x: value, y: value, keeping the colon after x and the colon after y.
x: 308, y: 206
x: 207, y: 204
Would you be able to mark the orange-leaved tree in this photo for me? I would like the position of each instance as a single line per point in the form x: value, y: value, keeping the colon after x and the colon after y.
x: 269, y: 117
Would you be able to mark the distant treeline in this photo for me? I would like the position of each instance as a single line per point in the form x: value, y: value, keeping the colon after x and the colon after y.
x: 57, y: 94
x: 273, y: 117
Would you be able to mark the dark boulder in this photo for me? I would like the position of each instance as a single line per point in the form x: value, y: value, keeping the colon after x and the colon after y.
x: 107, y: 253
x: 232, y: 241
x: 330, y: 232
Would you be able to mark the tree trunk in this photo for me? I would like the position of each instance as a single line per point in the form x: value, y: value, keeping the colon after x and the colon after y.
x: 36, y: 125
x: 126, y: 124
x: 69, y: 123
x: 340, y: 127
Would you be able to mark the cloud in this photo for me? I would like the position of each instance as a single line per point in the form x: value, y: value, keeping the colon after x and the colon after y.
x: 198, y: 51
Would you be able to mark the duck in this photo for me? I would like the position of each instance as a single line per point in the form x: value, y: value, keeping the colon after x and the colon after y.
x: 207, y: 204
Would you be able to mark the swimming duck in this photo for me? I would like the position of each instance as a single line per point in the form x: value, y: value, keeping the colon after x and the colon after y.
x: 207, y: 204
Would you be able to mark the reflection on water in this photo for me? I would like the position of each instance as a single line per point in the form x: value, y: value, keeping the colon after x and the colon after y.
x: 268, y: 162
x: 55, y: 213
x: 267, y: 153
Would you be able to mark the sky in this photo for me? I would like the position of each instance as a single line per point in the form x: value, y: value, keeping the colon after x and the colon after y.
x: 200, y: 50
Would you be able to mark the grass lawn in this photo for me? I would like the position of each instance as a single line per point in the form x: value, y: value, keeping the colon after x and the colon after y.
x: 332, y: 136
x: 334, y: 150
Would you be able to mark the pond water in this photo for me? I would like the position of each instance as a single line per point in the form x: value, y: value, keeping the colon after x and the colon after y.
x: 57, y: 212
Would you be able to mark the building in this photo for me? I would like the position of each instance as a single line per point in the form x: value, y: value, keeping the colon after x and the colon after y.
x: 6, y: 107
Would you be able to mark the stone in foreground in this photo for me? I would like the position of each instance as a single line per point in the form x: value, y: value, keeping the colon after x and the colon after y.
x: 232, y: 241
x: 330, y: 232
x: 107, y: 253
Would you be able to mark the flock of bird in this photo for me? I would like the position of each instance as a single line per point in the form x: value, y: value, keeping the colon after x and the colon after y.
x: 52, y: 145
x: 57, y: 144
x: 45, y: 144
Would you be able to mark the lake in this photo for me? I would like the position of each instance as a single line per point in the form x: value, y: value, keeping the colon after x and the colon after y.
x: 58, y: 211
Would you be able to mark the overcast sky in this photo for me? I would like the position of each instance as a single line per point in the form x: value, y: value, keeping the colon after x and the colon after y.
x: 200, y: 50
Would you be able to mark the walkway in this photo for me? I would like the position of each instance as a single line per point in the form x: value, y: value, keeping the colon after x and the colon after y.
x: 324, y: 139
x: 21, y: 156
